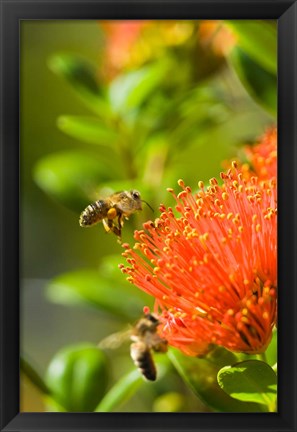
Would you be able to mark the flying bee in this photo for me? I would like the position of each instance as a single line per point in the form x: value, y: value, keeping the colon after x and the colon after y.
x: 112, y: 210
x: 145, y: 340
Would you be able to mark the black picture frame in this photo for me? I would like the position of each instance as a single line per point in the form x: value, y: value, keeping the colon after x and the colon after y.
x: 285, y: 11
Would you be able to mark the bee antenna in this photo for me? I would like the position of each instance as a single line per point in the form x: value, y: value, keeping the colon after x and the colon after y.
x: 148, y: 205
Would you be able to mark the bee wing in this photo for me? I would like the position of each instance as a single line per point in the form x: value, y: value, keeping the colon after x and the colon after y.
x: 115, y: 340
x: 99, y: 191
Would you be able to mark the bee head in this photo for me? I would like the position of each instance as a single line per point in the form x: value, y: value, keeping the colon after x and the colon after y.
x: 152, y: 318
x: 148, y: 323
x: 135, y: 194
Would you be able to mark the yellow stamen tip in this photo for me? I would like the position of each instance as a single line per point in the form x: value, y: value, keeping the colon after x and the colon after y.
x: 213, y: 181
x: 258, y: 228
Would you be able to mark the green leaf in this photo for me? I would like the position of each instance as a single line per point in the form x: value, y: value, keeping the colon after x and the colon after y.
x: 249, y: 381
x: 261, y: 84
x: 130, y: 90
x: 258, y: 39
x: 127, y: 386
x: 88, y: 129
x: 91, y: 287
x: 81, y: 75
x: 71, y: 177
x: 200, y: 374
x: 123, y: 390
x: 77, y: 377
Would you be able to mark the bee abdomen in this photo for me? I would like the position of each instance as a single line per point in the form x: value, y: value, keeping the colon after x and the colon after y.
x: 93, y: 214
x: 142, y: 358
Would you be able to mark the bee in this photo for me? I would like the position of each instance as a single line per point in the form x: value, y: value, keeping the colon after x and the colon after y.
x: 145, y: 339
x: 112, y: 210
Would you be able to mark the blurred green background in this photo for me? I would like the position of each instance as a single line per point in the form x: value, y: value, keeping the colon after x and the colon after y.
x: 87, y: 129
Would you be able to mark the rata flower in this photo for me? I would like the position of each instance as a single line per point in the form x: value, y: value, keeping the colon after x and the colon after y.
x: 120, y: 38
x: 259, y: 159
x: 215, y: 35
x: 263, y: 155
x: 211, y: 265
x: 131, y: 44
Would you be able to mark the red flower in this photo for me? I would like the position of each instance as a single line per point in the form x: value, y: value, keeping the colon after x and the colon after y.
x: 263, y: 156
x: 120, y: 38
x: 212, y: 269
x: 131, y: 44
x: 215, y: 35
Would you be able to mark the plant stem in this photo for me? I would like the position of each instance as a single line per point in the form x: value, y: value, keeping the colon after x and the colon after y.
x: 155, y: 167
x: 128, y: 159
x: 33, y: 376
x: 121, y: 391
x: 124, y: 146
x: 262, y: 357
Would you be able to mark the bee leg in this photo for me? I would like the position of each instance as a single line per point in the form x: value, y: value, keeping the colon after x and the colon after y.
x: 119, y: 228
x: 110, y: 226
x: 109, y: 222
x: 106, y: 224
x: 118, y: 232
x: 120, y: 221
x: 161, y: 346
